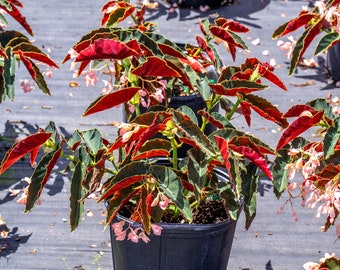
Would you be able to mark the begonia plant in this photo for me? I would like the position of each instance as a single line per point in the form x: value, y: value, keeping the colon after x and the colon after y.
x: 17, y: 47
x: 144, y: 67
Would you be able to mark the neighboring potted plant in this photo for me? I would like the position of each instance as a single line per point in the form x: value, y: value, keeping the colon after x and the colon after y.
x: 140, y: 177
x: 16, y: 47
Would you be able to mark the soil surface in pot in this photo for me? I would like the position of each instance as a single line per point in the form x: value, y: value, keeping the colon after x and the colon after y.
x: 208, y: 212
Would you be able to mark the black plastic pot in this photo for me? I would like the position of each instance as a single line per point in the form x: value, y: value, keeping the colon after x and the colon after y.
x: 333, y: 62
x: 180, y: 246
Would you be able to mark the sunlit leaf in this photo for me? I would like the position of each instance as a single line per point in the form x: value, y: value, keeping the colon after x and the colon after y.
x: 297, y: 127
x: 111, y: 100
x: 22, y: 148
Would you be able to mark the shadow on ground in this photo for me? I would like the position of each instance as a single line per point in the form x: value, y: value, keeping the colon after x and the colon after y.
x: 240, y: 9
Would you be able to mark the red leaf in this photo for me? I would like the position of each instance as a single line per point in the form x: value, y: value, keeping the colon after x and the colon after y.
x: 303, y: 42
x: 15, y: 13
x: 151, y: 154
x: 300, y: 125
x: 50, y: 166
x: 22, y: 148
x: 194, y: 64
x: 33, y: 155
x: 256, y: 158
x: 111, y: 100
x: 121, y: 185
x: 245, y: 107
x: 265, y: 109
x: 204, y: 46
x: 155, y: 67
x: 211, y: 119
x: 222, y: 145
x: 41, y: 57
x: 270, y: 76
x: 233, y: 87
x: 28, y: 64
x: 297, y: 110
x: 291, y: 26
x: 108, y: 49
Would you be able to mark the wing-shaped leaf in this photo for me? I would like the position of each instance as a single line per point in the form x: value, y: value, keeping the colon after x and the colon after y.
x: 22, y: 148
x: 228, y: 36
x: 93, y: 140
x: 256, y: 158
x: 233, y: 87
x: 292, y: 25
x: 172, y: 186
x: 153, y: 148
x: 154, y: 67
x: 130, y: 174
x: 77, y: 192
x: 298, y: 109
x: 302, y: 44
x: 326, y: 42
x: 40, y: 176
x: 15, y: 13
x: 265, y: 109
x: 111, y: 100
x: 297, y: 127
x: 222, y: 145
x: 33, y: 52
x: 331, y: 139
x: 107, y: 49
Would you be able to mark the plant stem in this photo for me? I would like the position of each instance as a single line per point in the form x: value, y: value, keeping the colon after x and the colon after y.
x: 233, y: 110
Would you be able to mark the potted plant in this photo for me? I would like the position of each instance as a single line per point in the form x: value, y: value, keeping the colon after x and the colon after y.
x: 140, y: 177
x: 17, y: 47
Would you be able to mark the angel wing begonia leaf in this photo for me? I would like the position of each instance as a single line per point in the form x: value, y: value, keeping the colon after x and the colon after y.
x: 304, y: 18
x: 40, y: 176
x: 233, y: 87
x: 327, y: 41
x: 106, y: 49
x: 153, y: 148
x: 332, y: 138
x: 33, y: 52
x: 128, y: 175
x: 297, y: 127
x: 256, y: 158
x: 222, y: 145
x: 265, y: 109
x: 154, y: 67
x: 298, y: 109
x: 16, y: 14
x: 111, y: 100
x: 228, y: 36
x: 22, y: 148
x: 118, y: 15
x: 302, y: 44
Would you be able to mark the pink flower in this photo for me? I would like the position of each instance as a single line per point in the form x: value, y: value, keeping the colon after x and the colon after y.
x: 91, y: 78
x: 157, y: 230
x: 108, y: 86
x: 27, y: 86
x: 163, y: 204
x: 144, y: 237
x: 48, y: 73
x: 132, y: 236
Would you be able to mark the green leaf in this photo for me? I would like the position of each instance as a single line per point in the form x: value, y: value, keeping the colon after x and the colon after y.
x: 9, y: 74
x: 280, y: 173
x: 326, y: 42
x: 77, y: 191
x: 331, y: 139
x: 22, y: 148
x: 249, y: 190
x: 40, y: 176
x: 93, y: 140
x: 302, y: 44
x: 172, y: 186
x: 197, y: 170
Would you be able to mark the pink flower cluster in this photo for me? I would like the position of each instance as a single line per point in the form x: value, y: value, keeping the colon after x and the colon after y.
x: 122, y: 228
